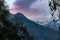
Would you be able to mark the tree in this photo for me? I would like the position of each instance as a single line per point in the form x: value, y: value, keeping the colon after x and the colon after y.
x: 23, y: 33
x: 9, y: 31
x: 53, y: 8
x: 55, y: 5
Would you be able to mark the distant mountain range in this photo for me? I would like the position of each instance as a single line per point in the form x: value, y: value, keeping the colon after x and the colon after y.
x: 54, y: 25
x: 39, y: 32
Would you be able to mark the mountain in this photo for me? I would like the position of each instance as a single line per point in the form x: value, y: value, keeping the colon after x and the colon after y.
x: 53, y: 25
x: 38, y: 32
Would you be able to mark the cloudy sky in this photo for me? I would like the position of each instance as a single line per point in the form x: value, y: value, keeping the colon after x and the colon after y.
x: 36, y: 10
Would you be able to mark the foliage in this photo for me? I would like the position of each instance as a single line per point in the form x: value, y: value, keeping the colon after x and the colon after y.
x: 9, y: 31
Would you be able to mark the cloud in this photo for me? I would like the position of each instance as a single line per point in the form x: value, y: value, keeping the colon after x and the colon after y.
x: 10, y: 3
x: 24, y: 3
x: 33, y: 9
x: 33, y: 5
x: 41, y: 6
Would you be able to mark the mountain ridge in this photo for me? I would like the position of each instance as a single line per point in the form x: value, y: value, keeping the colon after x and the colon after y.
x: 39, y: 32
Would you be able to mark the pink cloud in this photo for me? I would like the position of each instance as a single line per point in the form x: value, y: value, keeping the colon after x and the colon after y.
x: 32, y: 12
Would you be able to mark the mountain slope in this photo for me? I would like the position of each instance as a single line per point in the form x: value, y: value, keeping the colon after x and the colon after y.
x: 39, y: 32
x: 53, y: 25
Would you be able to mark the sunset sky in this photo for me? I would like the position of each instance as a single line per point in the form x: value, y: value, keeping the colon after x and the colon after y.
x: 36, y: 10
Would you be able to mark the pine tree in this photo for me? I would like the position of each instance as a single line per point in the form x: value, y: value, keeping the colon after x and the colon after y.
x: 24, y: 35
x: 9, y: 31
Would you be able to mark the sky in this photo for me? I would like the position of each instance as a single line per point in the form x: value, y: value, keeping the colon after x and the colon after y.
x: 36, y: 10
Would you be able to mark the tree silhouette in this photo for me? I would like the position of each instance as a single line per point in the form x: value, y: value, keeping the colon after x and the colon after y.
x: 24, y: 35
x: 53, y: 8
x: 55, y: 5
x: 9, y: 31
